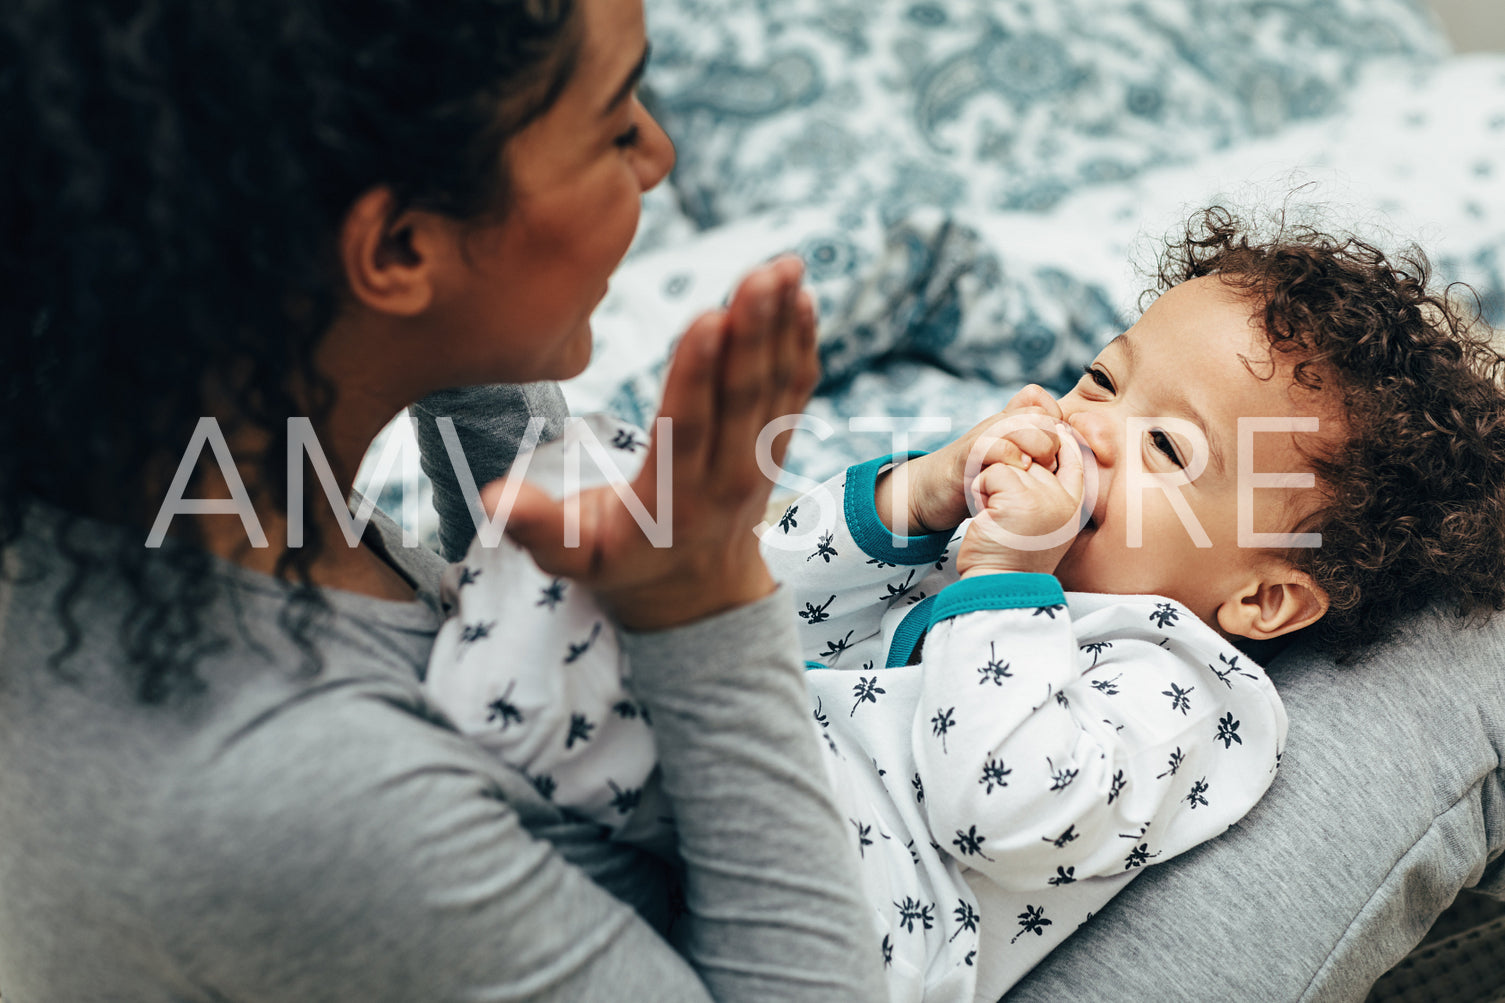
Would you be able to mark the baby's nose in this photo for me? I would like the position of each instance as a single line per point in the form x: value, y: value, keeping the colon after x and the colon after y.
x: 1097, y: 432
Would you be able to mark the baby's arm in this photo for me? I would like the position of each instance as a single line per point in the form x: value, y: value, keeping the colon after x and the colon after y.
x: 843, y: 565
x: 932, y: 490
x: 1054, y: 749
x: 531, y: 667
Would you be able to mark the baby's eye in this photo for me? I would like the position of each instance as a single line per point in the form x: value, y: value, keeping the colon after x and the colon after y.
x: 1099, y: 377
x: 1163, y: 442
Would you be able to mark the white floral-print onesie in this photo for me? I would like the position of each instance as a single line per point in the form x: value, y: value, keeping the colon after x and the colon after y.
x: 1008, y: 756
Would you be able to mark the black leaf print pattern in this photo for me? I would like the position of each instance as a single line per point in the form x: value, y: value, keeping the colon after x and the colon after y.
x: 1230, y: 668
x: 1063, y: 876
x: 1049, y: 611
x: 879, y: 564
x: 1179, y: 697
x: 1228, y: 731
x: 1197, y: 796
x: 624, y: 800
x: 1107, y: 687
x: 544, y: 785
x: 580, y: 730
x: 627, y: 710
x: 576, y: 650
x: 468, y: 576
x: 943, y: 721
x: 626, y: 440
x: 787, y: 521
x: 971, y: 959
x: 863, y: 840
x: 1096, y: 648
x: 966, y: 918
x: 837, y: 646
x: 820, y: 718
x: 504, y: 710
x: 1164, y: 615
x: 892, y: 591
x: 1032, y: 920
x: 995, y: 671
x: 1059, y: 779
x: 1116, y: 786
x: 919, y: 789
x: 1139, y: 856
x: 969, y: 843
x: 823, y: 549
x: 940, y: 562
x: 472, y: 632
x: 1060, y: 841
x: 552, y: 594
x: 1172, y: 765
x: 866, y: 690
x: 814, y: 614
x: 993, y: 774
x: 888, y: 950
x: 912, y: 912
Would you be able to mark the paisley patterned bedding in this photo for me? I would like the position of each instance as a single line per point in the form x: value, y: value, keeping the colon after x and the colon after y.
x: 972, y: 184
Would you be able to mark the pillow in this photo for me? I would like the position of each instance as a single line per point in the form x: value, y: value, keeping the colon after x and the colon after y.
x: 1010, y: 104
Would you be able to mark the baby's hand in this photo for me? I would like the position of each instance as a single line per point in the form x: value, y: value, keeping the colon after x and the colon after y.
x: 933, y: 488
x: 1028, y: 516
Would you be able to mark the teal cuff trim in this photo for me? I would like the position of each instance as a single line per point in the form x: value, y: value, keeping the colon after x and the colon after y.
x: 911, y: 629
x: 814, y: 665
x: 1010, y: 590
x: 877, y: 540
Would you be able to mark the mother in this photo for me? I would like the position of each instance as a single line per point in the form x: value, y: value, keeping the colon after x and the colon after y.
x: 218, y: 778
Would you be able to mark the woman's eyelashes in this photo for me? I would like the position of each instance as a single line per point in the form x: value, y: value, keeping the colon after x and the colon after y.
x: 1099, y: 377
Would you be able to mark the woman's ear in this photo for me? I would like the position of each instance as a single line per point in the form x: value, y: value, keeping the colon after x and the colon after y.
x: 391, y: 259
x: 1279, y: 600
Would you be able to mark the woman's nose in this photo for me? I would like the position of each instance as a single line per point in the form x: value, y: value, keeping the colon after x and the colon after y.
x: 655, y: 151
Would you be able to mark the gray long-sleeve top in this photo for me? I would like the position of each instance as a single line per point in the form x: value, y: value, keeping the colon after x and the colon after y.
x: 282, y: 835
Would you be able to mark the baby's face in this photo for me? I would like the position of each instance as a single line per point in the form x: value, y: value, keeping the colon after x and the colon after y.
x: 1162, y: 403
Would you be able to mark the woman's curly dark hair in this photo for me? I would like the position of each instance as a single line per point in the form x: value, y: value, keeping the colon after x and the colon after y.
x: 1414, y: 498
x: 174, y: 175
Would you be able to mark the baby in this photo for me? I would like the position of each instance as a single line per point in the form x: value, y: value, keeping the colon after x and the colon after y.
x: 1296, y: 436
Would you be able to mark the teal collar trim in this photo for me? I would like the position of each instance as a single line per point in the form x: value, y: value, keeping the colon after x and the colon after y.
x: 1010, y: 590
x: 913, y: 627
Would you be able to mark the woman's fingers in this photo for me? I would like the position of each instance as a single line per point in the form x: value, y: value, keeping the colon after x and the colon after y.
x: 535, y: 521
x: 800, y: 371
x: 690, y: 400
x: 760, y: 327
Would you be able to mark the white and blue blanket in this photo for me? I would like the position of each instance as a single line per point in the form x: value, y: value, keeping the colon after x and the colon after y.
x: 977, y: 188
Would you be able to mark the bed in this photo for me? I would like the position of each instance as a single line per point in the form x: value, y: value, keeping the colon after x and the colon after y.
x: 978, y: 189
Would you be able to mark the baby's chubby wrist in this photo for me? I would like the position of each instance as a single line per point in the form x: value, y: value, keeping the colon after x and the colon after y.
x: 914, y: 488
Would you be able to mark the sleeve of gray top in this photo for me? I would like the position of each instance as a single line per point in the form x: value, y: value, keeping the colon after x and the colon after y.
x: 384, y: 861
x: 489, y: 423
x: 770, y: 880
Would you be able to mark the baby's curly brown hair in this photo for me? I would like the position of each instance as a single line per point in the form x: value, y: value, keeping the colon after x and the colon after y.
x: 1414, y: 499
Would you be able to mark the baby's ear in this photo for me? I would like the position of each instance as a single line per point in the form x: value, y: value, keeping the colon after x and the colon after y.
x: 1277, y: 600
